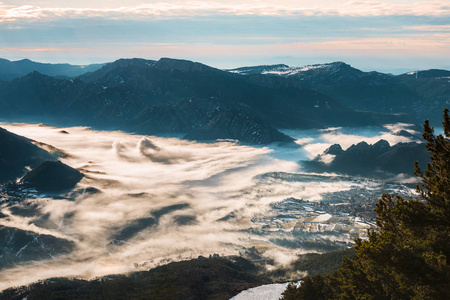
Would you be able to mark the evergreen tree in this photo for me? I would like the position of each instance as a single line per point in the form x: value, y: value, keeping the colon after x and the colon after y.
x: 407, y: 257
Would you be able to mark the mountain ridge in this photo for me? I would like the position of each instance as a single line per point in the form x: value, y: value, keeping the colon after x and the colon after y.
x: 115, y: 97
x: 379, y: 160
x: 422, y: 97
x: 13, y: 69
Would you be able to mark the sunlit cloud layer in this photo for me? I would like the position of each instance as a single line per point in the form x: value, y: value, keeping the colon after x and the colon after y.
x: 190, y: 8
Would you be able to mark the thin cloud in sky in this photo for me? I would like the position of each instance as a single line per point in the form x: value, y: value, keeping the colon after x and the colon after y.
x: 192, y: 8
x: 43, y: 49
x: 254, y: 31
x: 436, y: 28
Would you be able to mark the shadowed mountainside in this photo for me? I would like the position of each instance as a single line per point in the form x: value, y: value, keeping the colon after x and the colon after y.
x: 17, y: 153
x: 421, y: 94
x: 135, y: 94
x: 53, y: 177
x: 20, y: 246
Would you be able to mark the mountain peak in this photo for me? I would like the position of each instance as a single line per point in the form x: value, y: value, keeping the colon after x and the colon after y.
x: 33, y: 75
x: 25, y: 60
x: 339, y: 63
x: 182, y: 65
x: 126, y: 62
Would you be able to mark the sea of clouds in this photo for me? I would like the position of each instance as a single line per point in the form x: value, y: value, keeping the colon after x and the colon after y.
x: 178, y: 193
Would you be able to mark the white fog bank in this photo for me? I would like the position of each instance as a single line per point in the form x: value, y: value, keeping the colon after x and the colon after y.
x: 180, y: 194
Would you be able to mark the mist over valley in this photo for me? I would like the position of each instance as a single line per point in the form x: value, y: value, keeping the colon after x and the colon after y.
x: 145, y: 201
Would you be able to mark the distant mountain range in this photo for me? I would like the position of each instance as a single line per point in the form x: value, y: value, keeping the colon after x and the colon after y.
x: 421, y: 94
x: 13, y: 69
x: 171, y: 96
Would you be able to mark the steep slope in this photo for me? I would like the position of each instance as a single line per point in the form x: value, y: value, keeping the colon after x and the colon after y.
x: 51, y: 176
x: 16, y: 154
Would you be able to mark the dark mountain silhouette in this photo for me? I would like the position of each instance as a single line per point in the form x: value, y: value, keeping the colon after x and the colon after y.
x: 17, y: 153
x: 13, y: 69
x: 238, y: 125
x: 379, y: 160
x: 53, y: 177
x: 421, y: 97
x: 134, y: 94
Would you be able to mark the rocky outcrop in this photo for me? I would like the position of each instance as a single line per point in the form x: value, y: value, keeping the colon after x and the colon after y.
x: 52, y: 177
x: 17, y: 153
x: 378, y: 160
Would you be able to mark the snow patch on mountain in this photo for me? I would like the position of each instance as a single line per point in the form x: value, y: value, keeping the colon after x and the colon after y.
x: 263, y: 292
x: 290, y: 71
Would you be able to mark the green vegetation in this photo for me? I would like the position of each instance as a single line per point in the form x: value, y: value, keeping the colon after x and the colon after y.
x: 315, y: 263
x: 408, y: 257
x: 203, y: 278
x: 312, y: 264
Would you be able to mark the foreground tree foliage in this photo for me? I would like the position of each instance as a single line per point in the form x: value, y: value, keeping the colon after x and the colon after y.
x: 407, y: 258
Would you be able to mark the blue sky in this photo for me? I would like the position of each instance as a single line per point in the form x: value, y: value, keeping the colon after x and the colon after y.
x: 391, y: 36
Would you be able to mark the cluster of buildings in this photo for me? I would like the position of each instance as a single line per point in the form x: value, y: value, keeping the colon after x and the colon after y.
x: 330, y: 224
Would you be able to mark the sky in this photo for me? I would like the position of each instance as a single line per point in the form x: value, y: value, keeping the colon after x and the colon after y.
x: 389, y: 36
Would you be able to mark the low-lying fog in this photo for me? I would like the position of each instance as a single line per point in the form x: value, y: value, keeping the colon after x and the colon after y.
x: 176, y: 191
